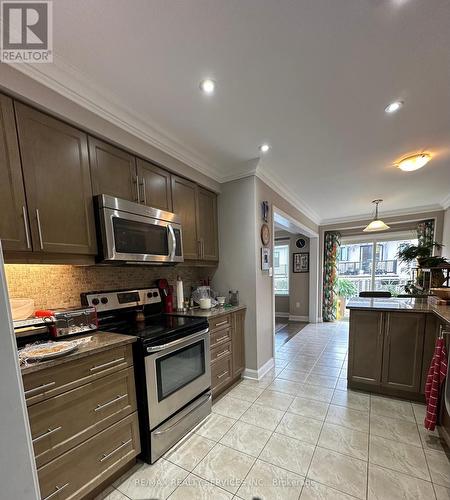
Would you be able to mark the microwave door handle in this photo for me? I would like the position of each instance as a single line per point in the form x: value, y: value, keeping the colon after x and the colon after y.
x: 172, y: 242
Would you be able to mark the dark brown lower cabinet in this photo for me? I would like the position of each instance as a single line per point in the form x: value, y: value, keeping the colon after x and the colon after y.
x: 365, y: 347
x: 390, y: 351
x: 227, y: 337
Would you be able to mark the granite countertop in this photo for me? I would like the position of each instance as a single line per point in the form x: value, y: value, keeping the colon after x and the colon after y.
x: 100, y: 342
x: 209, y: 313
x: 400, y: 304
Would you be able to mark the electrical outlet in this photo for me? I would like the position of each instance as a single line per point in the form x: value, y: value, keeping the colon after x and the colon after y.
x: 297, y: 305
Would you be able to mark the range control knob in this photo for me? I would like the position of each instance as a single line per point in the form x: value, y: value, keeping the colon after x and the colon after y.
x: 149, y: 295
x: 155, y: 294
x: 104, y: 300
x: 95, y: 302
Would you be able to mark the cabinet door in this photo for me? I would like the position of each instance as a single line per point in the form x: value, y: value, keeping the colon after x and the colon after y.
x: 238, y: 342
x: 113, y: 171
x: 155, y: 186
x: 403, y: 351
x: 207, y: 224
x: 365, y: 347
x: 55, y: 166
x: 432, y: 325
x: 14, y: 229
x: 184, y: 194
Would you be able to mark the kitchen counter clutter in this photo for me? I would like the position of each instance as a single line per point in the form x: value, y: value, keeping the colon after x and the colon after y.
x: 83, y: 417
x: 209, y: 313
x: 391, y: 344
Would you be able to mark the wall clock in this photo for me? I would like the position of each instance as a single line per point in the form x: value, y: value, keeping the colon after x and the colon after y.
x: 265, y: 234
x: 300, y: 243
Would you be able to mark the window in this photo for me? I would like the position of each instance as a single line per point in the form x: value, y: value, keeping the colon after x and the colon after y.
x: 281, y: 269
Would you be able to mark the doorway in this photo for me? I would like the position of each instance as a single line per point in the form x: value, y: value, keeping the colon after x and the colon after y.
x: 295, y: 253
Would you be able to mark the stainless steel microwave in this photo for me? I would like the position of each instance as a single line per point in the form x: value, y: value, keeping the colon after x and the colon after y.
x: 134, y: 233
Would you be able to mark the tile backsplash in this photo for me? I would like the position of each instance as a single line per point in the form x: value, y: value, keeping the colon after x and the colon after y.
x: 53, y: 286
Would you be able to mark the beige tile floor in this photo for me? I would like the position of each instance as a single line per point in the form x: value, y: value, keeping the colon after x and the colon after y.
x: 300, y: 434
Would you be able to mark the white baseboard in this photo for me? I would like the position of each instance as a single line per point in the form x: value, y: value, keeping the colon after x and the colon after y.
x: 304, y: 319
x: 259, y: 374
x: 281, y: 315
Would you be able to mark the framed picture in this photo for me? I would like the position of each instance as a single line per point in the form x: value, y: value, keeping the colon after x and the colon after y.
x: 265, y: 258
x: 301, y: 262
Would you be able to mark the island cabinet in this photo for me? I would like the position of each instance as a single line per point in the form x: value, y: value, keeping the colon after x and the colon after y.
x: 227, y: 349
x: 389, y: 351
x: 84, y: 422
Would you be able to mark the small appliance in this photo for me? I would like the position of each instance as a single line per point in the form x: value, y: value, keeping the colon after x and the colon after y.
x: 166, y: 292
x: 73, y: 321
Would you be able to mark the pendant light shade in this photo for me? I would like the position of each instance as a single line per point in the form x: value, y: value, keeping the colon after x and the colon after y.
x: 377, y: 224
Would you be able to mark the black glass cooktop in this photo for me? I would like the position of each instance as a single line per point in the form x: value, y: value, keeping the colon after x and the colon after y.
x: 155, y: 328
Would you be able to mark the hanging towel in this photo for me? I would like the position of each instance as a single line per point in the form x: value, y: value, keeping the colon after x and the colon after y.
x: 435, y: 378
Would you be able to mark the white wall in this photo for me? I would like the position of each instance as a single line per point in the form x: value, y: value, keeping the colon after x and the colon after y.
x: 446, y: 234
x: 18, y: 477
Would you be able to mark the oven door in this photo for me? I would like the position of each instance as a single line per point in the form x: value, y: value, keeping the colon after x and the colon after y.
x: 136, y: 238
x: 176, y: 373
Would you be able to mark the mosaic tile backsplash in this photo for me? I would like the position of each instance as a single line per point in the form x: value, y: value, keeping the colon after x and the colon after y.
x: 59, y: 286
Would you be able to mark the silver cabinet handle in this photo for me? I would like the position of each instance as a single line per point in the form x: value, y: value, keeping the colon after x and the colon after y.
x: 222, y: 354
x: 199, y: 249
x: 27, y: 229
x: 40, y: 388
x: 222, y: 338
x: 48, y: 432
x: 38, y: 219
x: 137, y: 188
x: 109, y: 403
x: 105, y: 456
x: 203, y: 248
x: 222, y: 323
x: 143, y: 192
x: 58, y: 489
x: 222, y: 374
x: 105, y: 365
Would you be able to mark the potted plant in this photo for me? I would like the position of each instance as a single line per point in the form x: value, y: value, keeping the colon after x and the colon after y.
x: 344, y: 290
x: 423, y: 254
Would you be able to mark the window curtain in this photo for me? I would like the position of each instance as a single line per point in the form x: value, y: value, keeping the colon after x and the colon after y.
x: 425, y: 232
x: 331, y: 252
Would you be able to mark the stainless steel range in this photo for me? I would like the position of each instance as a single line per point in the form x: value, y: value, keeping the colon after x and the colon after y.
x: 172, y: 364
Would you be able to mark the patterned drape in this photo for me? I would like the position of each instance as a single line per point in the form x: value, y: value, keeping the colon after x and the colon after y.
x: 425, y: 232
x: 332, y: 245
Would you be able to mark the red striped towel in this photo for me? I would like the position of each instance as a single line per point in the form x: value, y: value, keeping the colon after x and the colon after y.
x: 435, y: 378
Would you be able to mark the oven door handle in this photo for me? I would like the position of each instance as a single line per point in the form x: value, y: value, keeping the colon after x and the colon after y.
x: 162, y: 347
x: 172, y: 242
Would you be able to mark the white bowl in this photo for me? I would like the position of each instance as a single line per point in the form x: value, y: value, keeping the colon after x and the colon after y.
x: 205, y: 303
x: 21, y: 308
x: 221, y: 300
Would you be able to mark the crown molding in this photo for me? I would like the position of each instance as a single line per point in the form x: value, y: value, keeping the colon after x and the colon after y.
x: 445, y: 203
x: 393, y: 213
x: 71, y: 83
x: 273, y: 182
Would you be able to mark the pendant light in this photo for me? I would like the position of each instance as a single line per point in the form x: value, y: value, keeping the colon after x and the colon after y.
x: 376, y: 224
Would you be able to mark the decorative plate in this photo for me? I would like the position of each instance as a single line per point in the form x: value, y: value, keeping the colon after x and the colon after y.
x: 48, y: 350
x: 265, y: 234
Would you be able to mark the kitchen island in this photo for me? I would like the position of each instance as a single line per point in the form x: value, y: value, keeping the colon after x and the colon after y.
x: 391, y: 344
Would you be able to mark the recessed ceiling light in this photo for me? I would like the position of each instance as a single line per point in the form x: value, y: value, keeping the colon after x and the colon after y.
x: 393, y: 106
x: 208, y: 86
x: 413, y: 162
x: 264, y: 148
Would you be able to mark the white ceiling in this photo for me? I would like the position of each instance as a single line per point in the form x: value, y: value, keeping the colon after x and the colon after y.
x: 311, y: 77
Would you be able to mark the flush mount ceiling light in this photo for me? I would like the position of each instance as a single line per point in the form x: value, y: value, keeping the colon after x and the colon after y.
x: 208, y: 86
x: 413, y: 162
x: 264, y: 148
x: 393, y: 107
x: 376, y: 224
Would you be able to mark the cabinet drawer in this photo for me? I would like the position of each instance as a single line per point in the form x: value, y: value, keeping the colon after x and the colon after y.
x: 220, y: 322
x: 221, y: 374
x: 220, y: 336
x: 220, y: 351
x: 64, y: 421
x: 80, y: 470
x: 49, y: 382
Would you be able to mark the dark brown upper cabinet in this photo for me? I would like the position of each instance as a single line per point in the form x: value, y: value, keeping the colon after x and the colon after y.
x: 207, y: 224
x: 55, y: 164
x: 154, y: 186
x: 113, y: 171
x: 14, y: 226
x: 184, y: 194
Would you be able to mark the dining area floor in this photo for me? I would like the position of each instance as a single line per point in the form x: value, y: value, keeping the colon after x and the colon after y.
x: 299, y: 433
